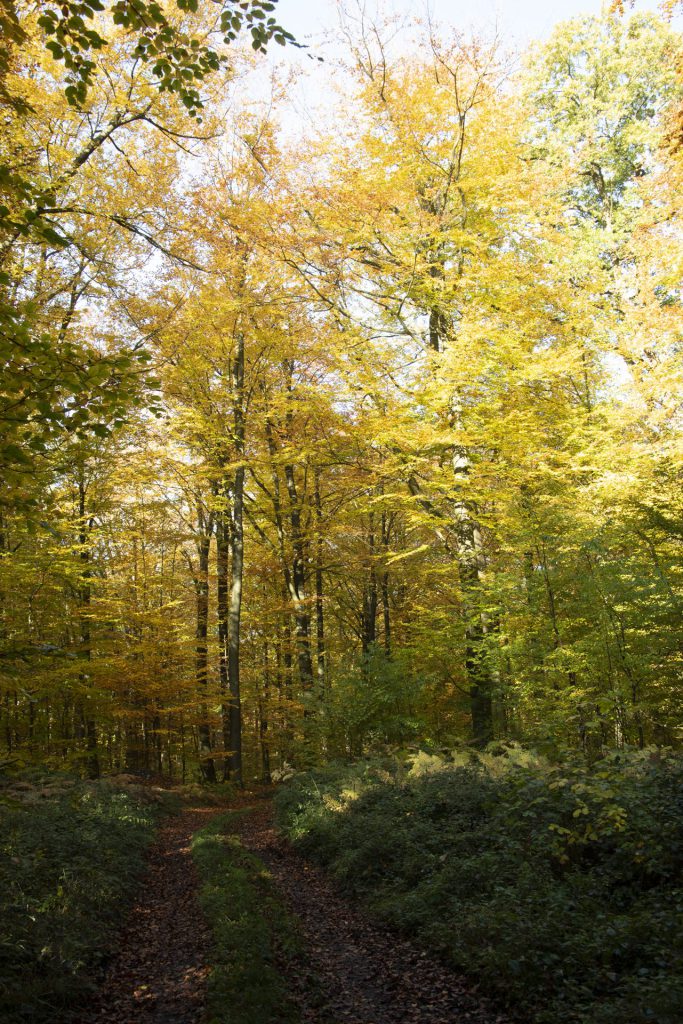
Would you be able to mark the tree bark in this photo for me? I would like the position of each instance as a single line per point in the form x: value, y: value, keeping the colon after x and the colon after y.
x: 237, y: 564
x: 319, y: 594
x: 205, y: 525
x: 386, y: 607
x: 263, y: 713
x: 479, y: 673
x: 297, y: 584
x: 370, y: 596
x: 222, y: 589
x: 85, y: 653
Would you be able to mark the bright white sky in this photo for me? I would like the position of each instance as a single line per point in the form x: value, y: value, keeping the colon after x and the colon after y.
x: 518, y: 20
x: 311, y: 97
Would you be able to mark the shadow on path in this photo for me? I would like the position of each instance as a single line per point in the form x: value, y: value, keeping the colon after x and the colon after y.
x: 158, y: 974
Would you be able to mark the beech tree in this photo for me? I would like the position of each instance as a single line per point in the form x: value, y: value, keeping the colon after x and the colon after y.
x: 315, y: 449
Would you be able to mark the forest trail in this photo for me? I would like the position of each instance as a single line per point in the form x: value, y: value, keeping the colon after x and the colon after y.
x: 354, y: 971
x: 158, y: 974
x: 351, y: 971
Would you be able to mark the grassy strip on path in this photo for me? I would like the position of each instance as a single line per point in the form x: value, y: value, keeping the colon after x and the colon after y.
x: 249, y: 923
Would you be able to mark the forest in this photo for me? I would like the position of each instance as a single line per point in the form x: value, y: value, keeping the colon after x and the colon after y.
x: 344, y: 458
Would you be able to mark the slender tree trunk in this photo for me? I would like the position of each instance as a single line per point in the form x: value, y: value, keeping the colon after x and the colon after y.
x: 386, y: 615
x: 319, y: 598
x: 263, y: 710
x: 479, y: 673
x: 293, y: 589
x: 386, y: 607
x: 158, y: 751
x: 237, y: 564
x: 234, y: 630
x: 85, y: 597
x: 206, y: 764
x: 183, y: 762
x: 370, y: 596
x: 480, y: 677
x: 222, y: 615
x: 287, y: 676
x: 295, y: 572
x: 297, y: 584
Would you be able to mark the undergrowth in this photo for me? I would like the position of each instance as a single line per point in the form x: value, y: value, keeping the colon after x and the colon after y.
x: 558, y: 887
x: 70, y: 856
x: 249, y: 923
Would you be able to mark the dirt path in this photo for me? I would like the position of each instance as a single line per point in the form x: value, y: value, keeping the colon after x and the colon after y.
x: 355, y: 972
x: 158, y: 975
x: 352, y: 971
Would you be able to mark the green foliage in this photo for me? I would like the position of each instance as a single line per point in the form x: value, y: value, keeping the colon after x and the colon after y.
x: 248, y: 920
x: 374, y: 705
x: 310, y: 799
x: 602, y: 86
x: 178, y: 58
x: 557, y: 886
x: 56, y: 389
x: 70, y: 855
x: 206, y: 794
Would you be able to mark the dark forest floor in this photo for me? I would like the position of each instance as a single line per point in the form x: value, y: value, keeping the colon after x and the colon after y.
x: 352, y: 971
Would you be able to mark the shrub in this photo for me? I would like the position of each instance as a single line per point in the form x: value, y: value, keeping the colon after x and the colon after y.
x: 70, y: 855
x: 559, y: 887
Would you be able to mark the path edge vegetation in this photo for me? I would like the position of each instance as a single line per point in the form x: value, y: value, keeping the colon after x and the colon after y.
x: 72, y: 855
x: 555, y: 887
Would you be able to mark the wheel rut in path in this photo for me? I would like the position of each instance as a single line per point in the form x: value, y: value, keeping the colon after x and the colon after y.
x: 354, y: 971
x: 159, y: 971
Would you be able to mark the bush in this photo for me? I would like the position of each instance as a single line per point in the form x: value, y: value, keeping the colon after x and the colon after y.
x: 559, y: 887
x: 374, y: 705
x: 70, y: 855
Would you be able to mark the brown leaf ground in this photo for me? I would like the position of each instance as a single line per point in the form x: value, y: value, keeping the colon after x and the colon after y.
x: 352, y: 971
x: 158, y: 974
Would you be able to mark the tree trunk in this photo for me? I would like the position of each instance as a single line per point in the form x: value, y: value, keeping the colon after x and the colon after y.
x: 234, y: 626
x: 319, y: 602
x: 206, y: 764
x: 263, y: 712
x: 386, y: 607
x: 469, y: 555
x: 297, y: 585
x: 85, y: 596
x: 222, y: 614
x: 237, y: 564
x: 479, y: 674
x: 370, y: 597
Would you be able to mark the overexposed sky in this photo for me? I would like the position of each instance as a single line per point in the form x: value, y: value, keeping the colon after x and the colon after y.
x: 518, y: 20
x: 311, y: 99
